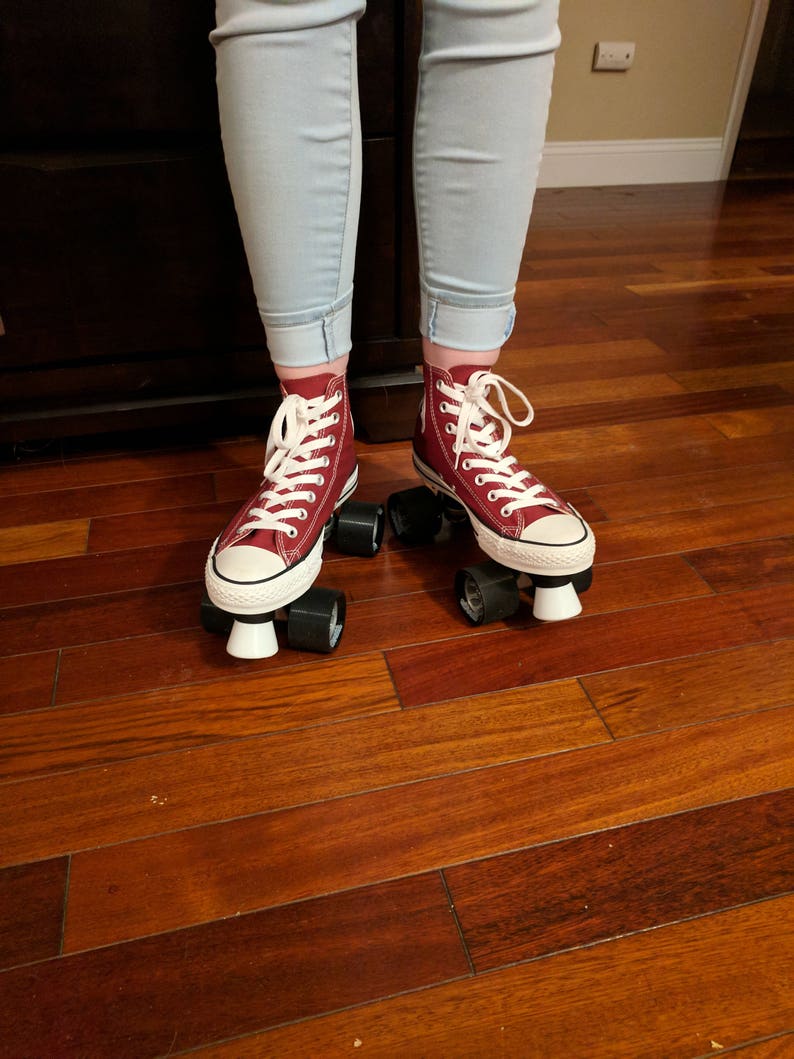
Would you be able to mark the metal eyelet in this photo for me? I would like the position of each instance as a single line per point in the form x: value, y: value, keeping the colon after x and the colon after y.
x: 338, y: 395
x: 505, y: 513
x: 438, y: 384
x: 478, y: 479
x: 331, y: 440
x: 491, y: 495
x: 326, y: 463
x: 335, y: 418
x: 320, y: 480
x: 312, y: 497
x: 449, y: 428
x: 292, y: 533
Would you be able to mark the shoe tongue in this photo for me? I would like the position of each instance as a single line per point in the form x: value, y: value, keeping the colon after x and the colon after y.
x: 311, y: 386
x: 461, y: 373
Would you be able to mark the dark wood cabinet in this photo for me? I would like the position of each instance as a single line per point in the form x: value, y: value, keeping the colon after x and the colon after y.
x: 124, y: 292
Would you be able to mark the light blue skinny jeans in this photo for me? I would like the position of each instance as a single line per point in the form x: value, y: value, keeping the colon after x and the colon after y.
x: 288, y: 96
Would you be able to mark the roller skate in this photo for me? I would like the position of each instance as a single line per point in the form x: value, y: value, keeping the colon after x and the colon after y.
x: 263, y: 565
x: 532, y: 537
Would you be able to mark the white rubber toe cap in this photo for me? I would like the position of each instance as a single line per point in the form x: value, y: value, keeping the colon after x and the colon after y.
x: 244, y: 563
x: 556, y: 529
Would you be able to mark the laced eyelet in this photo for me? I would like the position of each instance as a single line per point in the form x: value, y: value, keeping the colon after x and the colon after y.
x: 505, y: 513
x: 301, y: 513
x: 335, y: 418
x: 312, y: 497
x: 449, y: 428
x: 326, y: 463
x: 438, y: 384
x: 478, y: 479
x: 443, y: 407
x: 467, y: 465
x: 320, y: 480
x: 331, y: 440
x: 491, y: 496
x: 292, y: 532
x: 338, y: 395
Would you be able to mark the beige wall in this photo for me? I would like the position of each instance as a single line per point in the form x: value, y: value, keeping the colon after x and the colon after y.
x: 681, y: 81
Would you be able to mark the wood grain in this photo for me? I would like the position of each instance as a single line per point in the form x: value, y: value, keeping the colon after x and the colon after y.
x: 514, y: 658
x: 687, y: 491
x: 22, y: 544
x: 705, y: 528
x: 745, y: 565
x: 46, y: 626
x: 661, y: 994
x: 259, y: 861
x: 96, y: 575
x: 172, y: 991
x: 690, y: 690
x: 617, y: 882
x: 91, y: 501
x: 230, y: 709
x: 32, y: 898
x: 27, y: 681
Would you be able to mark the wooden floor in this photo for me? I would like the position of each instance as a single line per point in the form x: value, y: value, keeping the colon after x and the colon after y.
x: 518, y: 840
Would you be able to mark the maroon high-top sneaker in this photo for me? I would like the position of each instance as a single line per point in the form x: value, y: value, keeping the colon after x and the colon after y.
x: 271, y: 551
x: 461, y: 449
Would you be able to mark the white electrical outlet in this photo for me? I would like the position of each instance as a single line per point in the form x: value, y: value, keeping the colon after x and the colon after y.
x: 613, y: 55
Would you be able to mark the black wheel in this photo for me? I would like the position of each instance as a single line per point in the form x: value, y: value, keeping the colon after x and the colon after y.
x: 415, y: 515
x: 316, y: 620
x: 213, y: 619
x: 455, y: 512
x: 359, y: 528
x: 487, y: 592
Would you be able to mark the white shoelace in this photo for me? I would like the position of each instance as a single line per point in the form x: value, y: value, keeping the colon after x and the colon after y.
x: 292, y: 463
x: 485, y: 432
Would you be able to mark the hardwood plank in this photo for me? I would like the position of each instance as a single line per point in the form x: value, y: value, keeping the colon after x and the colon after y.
x: 158, y: 721
x: 691, y: 690
x: 89, y: 502
x: 315, y: 765
x: 674, y: 289
x: 45, y: 626
x: 744, y: 565
x: 27, y: 681
x: 751, y: 423
x: 734, y: 485
x: 88, y: 471
x: 779, y: 373
x: 99, y: 574
x: 32, y: 900
x: 199, y: 522
x: 507, y: 659
x: 21, y: 544
x: 710, y: 403
x: 425, y: 613
x: 646, y: 461
x: 172, y: 991
x: 560, y: 896
x: 687, y: 530
x: 665, y: 994
x: 274, y: 857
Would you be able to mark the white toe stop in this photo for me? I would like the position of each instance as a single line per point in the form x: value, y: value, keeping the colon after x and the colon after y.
x: 252, y: 640
x: 556, y: 604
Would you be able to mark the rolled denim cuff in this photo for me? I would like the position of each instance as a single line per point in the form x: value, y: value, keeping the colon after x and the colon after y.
x: 313, y: 337
x: 474, y: 323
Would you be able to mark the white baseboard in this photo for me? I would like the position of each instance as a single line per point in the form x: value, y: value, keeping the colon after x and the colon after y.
x: 596, y: 163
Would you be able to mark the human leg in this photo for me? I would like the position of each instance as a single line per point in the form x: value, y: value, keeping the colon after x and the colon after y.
x: 288, y: 102
x: 485, y: 83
